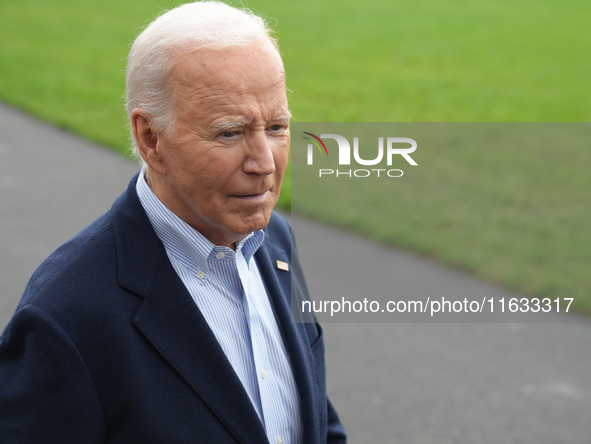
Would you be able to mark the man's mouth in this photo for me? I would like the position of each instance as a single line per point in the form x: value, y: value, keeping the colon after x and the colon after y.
x: 252, y: 197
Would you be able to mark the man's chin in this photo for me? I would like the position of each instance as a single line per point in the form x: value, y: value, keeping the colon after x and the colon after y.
x: 249, y: 223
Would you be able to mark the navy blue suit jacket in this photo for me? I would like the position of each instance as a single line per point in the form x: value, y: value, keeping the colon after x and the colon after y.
x: 107, y: 345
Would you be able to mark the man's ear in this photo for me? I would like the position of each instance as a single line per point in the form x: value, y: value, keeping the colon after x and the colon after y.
x: 147, y: 139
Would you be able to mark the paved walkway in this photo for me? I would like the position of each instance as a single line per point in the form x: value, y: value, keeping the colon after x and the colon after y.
x: 392, y: 383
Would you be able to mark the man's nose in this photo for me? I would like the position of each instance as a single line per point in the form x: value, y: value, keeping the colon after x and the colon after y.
x: 259, y: 155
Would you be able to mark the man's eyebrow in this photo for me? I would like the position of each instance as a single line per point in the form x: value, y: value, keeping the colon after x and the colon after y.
x: 287, y: 116
x: 227, y: 125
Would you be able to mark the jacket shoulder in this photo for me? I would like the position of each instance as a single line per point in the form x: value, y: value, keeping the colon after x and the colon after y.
x: 84, y: 265
x: 68, y: 263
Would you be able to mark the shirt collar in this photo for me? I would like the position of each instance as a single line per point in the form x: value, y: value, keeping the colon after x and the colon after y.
x: 182, y: 240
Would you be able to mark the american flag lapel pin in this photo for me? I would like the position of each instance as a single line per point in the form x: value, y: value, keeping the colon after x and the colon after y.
x: 283, y: 265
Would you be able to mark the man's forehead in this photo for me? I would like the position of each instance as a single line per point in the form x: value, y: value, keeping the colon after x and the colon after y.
x: 216, y: 66
x: 231, y: 87
x: 234, y: 71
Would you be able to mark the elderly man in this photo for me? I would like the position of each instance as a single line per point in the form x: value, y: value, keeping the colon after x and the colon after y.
x: 167, y: 320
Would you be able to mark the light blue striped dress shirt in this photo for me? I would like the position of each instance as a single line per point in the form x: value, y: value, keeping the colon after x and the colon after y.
x: 228, y: 289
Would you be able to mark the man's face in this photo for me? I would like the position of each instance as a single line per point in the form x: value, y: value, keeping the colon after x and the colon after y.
x: 223, y: 159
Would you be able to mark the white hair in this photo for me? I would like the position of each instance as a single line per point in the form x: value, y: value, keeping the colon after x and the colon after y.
x: 211, y: 24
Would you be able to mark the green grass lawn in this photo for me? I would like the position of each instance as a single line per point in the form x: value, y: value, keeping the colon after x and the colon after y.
x: 377, y: 61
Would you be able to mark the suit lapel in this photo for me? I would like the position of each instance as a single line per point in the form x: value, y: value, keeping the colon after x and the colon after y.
x: 278, y: 285
x: 170, y: 320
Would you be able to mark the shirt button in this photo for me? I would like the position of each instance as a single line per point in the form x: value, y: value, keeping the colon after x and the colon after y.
x: 220, y: 255
x: 279, y: 440
x: 264, y: 374
x: 201, y: 275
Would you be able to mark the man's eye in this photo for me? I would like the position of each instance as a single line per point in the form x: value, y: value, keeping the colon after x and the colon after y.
x: 275, y: 127
x: 228, y: 134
